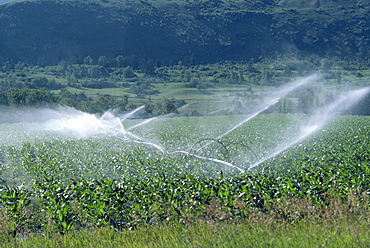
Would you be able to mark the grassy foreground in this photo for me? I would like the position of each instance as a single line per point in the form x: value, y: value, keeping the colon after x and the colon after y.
x: 339, y: 225
x: 342, y: 233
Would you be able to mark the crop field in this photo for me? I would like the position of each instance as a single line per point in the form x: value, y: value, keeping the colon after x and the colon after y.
x: 83, y: 172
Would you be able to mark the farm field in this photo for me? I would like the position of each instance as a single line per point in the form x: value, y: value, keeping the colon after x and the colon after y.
x: 172, y: 123
x: 81, y: 173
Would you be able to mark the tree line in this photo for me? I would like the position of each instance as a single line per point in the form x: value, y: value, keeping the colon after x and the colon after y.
x: 24, y: 97
x: 24, y: 84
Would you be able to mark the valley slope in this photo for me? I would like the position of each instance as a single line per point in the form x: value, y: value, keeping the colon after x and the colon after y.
x: 208, y: 31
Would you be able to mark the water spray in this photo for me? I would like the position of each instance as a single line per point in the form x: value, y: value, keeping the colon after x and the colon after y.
x: 142, y: 123
x: 210, y: 159
x: 132, y: 112
x: 80, y: 124
x: 281, y: 93
x: 318, y: 120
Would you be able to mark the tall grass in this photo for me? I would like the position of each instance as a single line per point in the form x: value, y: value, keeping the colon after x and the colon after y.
x: 344, y: 232
x: 341, y: 224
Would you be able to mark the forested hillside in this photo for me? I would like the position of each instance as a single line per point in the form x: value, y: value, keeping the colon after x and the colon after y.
x: 192, y: 31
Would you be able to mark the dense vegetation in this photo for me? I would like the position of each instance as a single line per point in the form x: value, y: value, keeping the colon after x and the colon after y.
x: 124, y: 83
x: 100, y: 55
x: 187, y: 57
x: 57, y: 183
x: 178, y: 30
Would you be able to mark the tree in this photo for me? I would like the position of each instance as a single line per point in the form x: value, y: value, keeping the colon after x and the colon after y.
x: 266, y: 77
x: 149, y: 108
x: 103, y: 61
x: 128, y: 72
x: 122, y: 103
x: 326, y: 64
x: 88, y: 60
x: 41, y: 61
x: 241, y: 77
x: 119, y: 61
x: 147, y: 67
x: 193, y: 82
x: 166, y: 106
x: 104, y: 103
x: 78, y: 101
x: 36, y: 97
x: 27, y: 97
x: 3, y: 98
x: 63, y: 64
x: 94, y: 72
x: 306, y: 101
x: 202, y: 86
x: 16, y: 97
x: 41, y: 82
x: 234, y: 78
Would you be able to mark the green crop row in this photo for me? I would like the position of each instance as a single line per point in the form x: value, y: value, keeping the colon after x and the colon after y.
x: 63, y: 184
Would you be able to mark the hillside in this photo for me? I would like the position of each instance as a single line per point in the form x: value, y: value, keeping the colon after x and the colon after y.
x: 169, y: 30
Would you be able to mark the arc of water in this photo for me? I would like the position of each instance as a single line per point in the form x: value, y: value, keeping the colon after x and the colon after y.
x: 151, y: 144
x: 184, y: 152
x: 106, y: 113
x: 142, y: 123
x: 278, y: 95
x: 210, y: 159
x: 189, y: 154
x: 281, y: 149
x: 132, y: 112
x: 127, y: 133
x: 319, y: 119
x: 350, y: 98
x: 284, y: 91
x: 263, y: 108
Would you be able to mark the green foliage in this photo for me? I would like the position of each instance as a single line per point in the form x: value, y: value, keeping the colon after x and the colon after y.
x: 244, y: 82
x: 128, y: 72
x: 45, y: 83
x: 27, y: 97
x: 16, y: 200
x: 73, y: 184
x: 166, y: 106
x: 186, y: 31
x: 345, y: 231
x: 103, y: 181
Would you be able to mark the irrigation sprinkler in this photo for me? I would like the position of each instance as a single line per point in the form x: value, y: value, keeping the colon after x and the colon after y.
x: 243, y: 145
x: 178, y: 137
x: 210, y: 141
x: 211, y: 159
x: 156, y: 133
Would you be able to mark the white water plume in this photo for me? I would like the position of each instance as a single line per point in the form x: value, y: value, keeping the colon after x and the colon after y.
x: 282, y: 92
x: 286, y: 89
x: 142, y: 123
x: 319, y: 119
x: 61, y: 121
x: 306, y: 131
x: 80, y: 124
x: 69, y: 123
x: 73, y: 123
x: 132, y: 112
